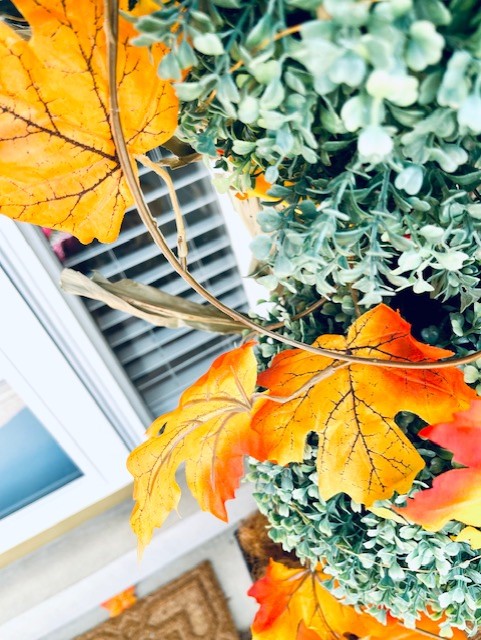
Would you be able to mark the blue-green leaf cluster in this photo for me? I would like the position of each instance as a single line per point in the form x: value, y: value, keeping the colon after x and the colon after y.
x: 366, y: 118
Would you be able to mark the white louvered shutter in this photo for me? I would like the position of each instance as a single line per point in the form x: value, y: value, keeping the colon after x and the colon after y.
x: 162, y: 362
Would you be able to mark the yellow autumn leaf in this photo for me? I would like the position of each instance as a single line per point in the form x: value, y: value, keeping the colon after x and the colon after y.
x: 471, y: 535
x: 209, y: 431
x: 352, y: 407
x: 58, y: 163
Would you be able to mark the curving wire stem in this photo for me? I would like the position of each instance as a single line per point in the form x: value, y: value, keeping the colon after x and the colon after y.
x: 111, y: 31
x: 182, y: 249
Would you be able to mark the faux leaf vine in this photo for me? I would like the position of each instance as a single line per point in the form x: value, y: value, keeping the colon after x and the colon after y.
x: 352, y: 410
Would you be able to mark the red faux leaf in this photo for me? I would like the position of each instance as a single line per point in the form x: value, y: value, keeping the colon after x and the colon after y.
x: 462, y: 436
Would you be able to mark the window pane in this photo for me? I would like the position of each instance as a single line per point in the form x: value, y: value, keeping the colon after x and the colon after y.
x: 32, y: 463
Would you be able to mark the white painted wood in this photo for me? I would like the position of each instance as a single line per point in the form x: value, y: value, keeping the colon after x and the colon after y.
x: 36, y: 369
x: 240, y: 241
x: 169, y: 545
x: 35, y: 271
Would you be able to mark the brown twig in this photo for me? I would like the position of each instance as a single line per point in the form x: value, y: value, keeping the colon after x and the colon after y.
x: 302, y: 314
x: 111, y: 29
x: 265, y: 43
x: 182, y: 248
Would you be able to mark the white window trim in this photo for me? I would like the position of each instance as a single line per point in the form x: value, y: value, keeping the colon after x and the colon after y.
x: 32, y: 267
x: 36, y: 369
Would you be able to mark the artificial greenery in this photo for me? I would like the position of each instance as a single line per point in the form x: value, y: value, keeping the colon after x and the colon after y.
x: 377, y: 563
x: 365, y: 116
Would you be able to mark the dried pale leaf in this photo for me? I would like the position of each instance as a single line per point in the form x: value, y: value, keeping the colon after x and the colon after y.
x: 58, y: 164
x: 150, y: 304
x: 361, y: 449
x: 209, y: 431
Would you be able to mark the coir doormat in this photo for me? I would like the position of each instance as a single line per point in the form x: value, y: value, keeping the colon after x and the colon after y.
x: 191, y: 607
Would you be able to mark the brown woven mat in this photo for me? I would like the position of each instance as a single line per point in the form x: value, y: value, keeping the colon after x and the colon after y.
x: 192, y: 607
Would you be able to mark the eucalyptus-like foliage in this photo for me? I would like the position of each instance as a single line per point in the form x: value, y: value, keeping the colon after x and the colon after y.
x: 377, y: 563
x: 364, y: 116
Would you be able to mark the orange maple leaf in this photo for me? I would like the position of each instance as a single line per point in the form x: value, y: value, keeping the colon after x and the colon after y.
x: 120, y: 602
x: 58, y: 163
x: 455, y: 494
x: 209, y: 431
x: 294, y: 602
x: 352, y: 407
x: 294, y: 605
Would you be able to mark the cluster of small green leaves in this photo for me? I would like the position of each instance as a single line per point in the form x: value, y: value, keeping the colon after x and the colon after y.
x: 367, y: 122
x: 374, y: 562
x: 333, y: 316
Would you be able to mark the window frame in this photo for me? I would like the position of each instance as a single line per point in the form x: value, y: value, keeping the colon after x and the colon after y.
x: 36, y: 369
x: 45, y: 328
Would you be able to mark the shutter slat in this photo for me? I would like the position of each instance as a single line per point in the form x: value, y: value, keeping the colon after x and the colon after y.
x: 176, y: 346
x: 152, y: 338
x: 155, y: 274
x: 98, y: 248
x: 122, y: 264
x: 172, y: 387
x: 144, y: 386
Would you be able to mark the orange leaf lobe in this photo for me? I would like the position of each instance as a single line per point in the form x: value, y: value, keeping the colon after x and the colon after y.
x: 209, y: 431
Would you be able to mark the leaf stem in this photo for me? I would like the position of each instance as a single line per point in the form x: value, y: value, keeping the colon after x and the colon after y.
x: 282, y: 34
x: 182, y: 248
x: 111, y: 31
x: 235, y: 67
x: 307, y: 311
x: 318, y: 377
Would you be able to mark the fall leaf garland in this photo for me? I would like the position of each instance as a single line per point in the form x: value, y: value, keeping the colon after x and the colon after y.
x: 220, y: 420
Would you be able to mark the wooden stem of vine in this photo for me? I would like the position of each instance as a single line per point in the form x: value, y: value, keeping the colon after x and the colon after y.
x: 111, y: 32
